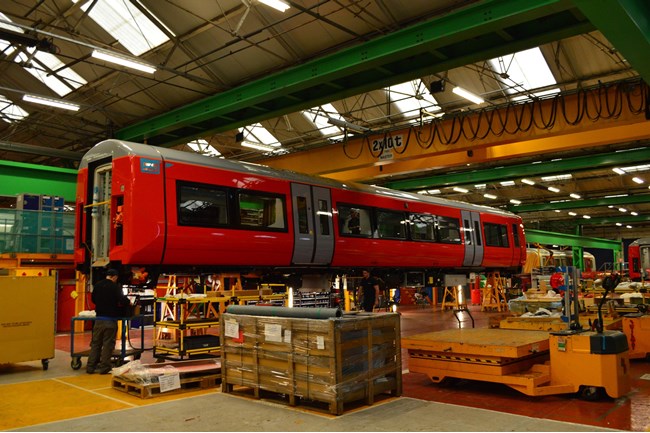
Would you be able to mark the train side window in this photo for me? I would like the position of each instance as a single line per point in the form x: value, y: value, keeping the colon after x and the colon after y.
x: 468, y: 232
x: 448, y: 230
x: 354, y: 221
x: 477, y: 230
x: 324, y: 215
x: 515, y: 234
x: 303, y: 223
x: 496, y: 235
x: 262, y: 210
x: 391, y: 225
x: 423, y: 227
x: 202, y: 205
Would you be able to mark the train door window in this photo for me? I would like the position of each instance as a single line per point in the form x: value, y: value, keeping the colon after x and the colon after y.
x: 263, y: 210
x: 391, y: 225
x: 202, y: 205
x: 477, y: 230
x: 448, y: 230
x: 423, y: 227
x: 354, y: 221
x: 496, y: 235
x: 468, y: 232
x: 635, y: 264
x: 324, y: 215
x: 515, y: 234
x: 303, y: 223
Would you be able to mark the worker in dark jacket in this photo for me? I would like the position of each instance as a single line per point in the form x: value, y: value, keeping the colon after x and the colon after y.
x: 368, y: 292
x: 110, y: 303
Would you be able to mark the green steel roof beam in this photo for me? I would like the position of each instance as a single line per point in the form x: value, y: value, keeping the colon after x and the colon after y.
x: 18, y: 178
x: 512, y: 172
x: 626, y: 24
x: 481, y: 31
x: 578, y: 204
x: 552, y: 238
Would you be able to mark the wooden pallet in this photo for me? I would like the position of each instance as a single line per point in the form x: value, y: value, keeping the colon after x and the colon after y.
x: 359, y: 399
x: 152, y: 390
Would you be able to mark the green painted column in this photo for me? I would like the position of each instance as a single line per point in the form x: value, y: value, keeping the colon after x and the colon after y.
x: 18, y: 178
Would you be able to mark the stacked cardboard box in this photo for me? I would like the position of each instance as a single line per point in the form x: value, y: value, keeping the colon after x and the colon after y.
x: 335, y: 360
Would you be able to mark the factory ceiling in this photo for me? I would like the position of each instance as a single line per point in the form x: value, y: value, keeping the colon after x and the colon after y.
x: 370, y: 85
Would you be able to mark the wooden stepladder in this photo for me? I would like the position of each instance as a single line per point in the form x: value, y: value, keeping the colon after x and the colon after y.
x: 494, y: 293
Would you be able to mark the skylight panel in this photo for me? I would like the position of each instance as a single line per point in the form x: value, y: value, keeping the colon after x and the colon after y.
x: 320, y: 120
x: 256, y: 133
x: 410, y: 99
x: 523, y: 71
x: 10, y: 112
x: 43, y: 64
x: 202, y: 147
x: 127, y: 24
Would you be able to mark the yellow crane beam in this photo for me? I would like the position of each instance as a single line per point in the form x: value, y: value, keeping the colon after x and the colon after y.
x: 356, y: 160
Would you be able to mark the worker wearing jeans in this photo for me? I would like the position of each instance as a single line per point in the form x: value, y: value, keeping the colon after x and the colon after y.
x: 109, y: 303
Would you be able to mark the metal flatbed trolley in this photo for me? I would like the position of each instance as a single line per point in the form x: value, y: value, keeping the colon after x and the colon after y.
x: 118, y: 355
x: 533, y: 362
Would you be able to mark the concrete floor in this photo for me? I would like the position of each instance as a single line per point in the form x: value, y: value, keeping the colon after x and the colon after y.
x: 223, y: 412
x: 472, y: 406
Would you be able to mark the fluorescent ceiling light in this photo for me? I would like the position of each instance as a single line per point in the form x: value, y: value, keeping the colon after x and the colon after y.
x: 586, y: 217
x: 574, y: 195
x: 619, y: 224
x: 490, y: 196
x: 258, y: 146
x: 618, y: 170
x: 468, y: 95
x: 557, y: 210
x: 124, y: 61
x: 459, y: 189
x: 634, y: 213
x: 628, y: 227
x: 51, y: 102
x: 638, y: 180
x: 276, y: 4
x: 556, y: 178
x: 507, y: 183
x: 513, y: 201
x: 622, y: 209
x: 553, y: 189
x: 527, y: 181
x: 573, y: 213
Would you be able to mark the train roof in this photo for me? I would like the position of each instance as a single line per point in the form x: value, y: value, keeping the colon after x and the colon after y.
x: 642, y: 241
x: 118, y: 148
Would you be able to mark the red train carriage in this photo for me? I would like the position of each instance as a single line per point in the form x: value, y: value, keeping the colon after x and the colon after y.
x: 169, y: 210
x: 638, y: 254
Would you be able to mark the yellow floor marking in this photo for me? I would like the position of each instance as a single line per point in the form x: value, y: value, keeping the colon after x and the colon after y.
x: 43, y: 401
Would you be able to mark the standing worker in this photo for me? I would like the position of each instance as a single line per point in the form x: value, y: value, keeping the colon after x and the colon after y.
x: 368, y: 291
x: 109, y: 305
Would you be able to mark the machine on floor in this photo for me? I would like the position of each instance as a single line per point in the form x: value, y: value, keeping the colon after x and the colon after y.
x: 535, y: 363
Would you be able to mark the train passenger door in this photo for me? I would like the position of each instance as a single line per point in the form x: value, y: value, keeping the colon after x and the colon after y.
x: 473, y: 238
x: 313, y: 227
x: 101, y: 215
